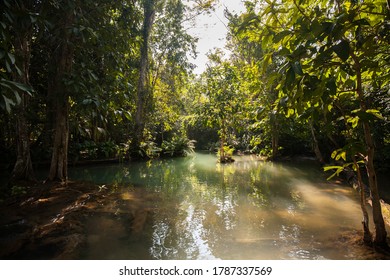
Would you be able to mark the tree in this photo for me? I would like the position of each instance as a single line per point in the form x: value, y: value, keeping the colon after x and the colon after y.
x: 17, y: 29
x: 61, y: 64
x: 164, y: 65
x: 327, y: 55
x: 144, y: 94
x: 222, y: 108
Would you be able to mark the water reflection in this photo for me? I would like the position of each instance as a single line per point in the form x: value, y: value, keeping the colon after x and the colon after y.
x: 246, y: 210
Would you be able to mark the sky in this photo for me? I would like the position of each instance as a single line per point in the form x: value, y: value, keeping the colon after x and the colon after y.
x: 211, y: 31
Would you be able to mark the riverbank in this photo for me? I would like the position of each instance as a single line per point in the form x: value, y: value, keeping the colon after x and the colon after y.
x: 48, y: 221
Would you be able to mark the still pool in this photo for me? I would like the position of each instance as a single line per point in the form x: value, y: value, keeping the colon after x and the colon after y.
x: 196, y: 208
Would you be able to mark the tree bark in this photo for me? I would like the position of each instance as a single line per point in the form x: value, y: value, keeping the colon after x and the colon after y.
x: 59, y: 161
x: 316, y: 147
x: 143, y: 88
x: 23, y: 169
x: 62, y: 62
x: 367, y: 236
x: 275, y: 137
x: 222, y: 157
x: 380, y: 238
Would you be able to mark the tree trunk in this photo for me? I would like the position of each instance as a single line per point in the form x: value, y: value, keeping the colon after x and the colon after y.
x: 23, y: 169
x: 143, y: 89
x: 367, y: 236
x: 380, y: 238
x: 222, y: 157
x: 316, y: 147
x: 59, y: 161
x: 62, y: 62
x: 275, y: 138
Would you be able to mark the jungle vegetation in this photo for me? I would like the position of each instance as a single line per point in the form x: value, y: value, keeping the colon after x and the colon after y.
x: 87, y: 80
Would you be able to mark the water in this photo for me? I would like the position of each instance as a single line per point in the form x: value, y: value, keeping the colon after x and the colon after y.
x: 194, y: 208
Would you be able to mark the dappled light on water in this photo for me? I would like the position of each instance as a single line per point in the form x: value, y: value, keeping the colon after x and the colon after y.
x: 250, y: 209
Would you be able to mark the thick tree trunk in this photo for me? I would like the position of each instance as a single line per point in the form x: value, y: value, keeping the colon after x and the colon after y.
x: 62, y: 62
x: 59, y: 161
x: 143, y: 89
x: 380, y: 238
x: 23, y: 169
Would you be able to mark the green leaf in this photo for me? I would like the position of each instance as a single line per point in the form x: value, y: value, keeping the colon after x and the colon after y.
x: 376, y: 113
x: 94, y: 76
x: 267, y: 61
x: 342, y: 50
x: 23, y: 87
x: 338, y: 170
x: 17, y: 97
x: 127, y: 115
x: 266, y: 40
x: 327, y: 168
x: 281, y: 35
x: 316, y: 28
x: 362, y: 21
x: 368, y: 115
x: 332, y: 87
x: 14, y: 86
x: 20, y: 73
x: 342, y: 155
x: 290, y: 77
x: 8, y: 66
x: 87, y: 101
x: 297, y: 68
x: 8, y: 103
x: 11, y: 57
x: 354, y: 121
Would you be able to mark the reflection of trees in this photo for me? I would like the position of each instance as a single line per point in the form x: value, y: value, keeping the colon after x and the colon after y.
x: 207, y: 210
x: 211, y: 205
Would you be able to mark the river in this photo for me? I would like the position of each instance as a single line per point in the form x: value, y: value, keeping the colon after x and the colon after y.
x: 195, y: 208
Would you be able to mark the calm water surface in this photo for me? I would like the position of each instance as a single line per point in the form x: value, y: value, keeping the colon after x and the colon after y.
x: 198, y: 209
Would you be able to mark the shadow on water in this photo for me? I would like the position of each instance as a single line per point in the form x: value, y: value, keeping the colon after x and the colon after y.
x: 197, y: 209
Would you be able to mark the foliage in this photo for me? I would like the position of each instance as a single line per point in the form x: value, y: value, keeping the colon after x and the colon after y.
x: 149, y: 149
x: 14, y: 19
x: 330, y: 62
x: 219, y: 103
x: 179, y: 145
x: 88, y: 150
x: 18, y: 190
x: 227, y: 154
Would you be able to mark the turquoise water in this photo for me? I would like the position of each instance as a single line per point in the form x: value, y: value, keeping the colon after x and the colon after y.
x: 195, y: 208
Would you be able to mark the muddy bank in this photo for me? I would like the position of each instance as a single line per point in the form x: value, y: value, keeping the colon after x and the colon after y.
x: 48, y: 222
